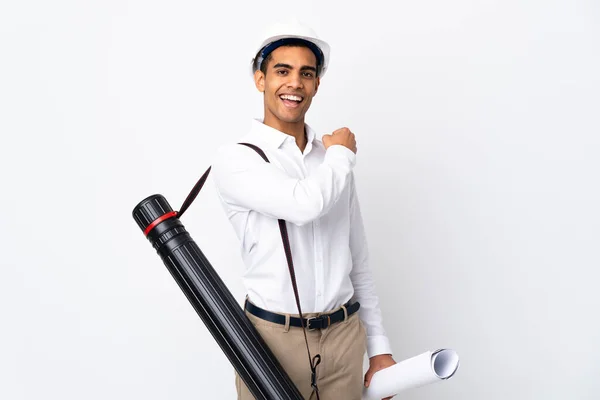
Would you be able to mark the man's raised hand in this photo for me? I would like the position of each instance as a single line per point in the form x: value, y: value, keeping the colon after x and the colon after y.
x: 342, y: 136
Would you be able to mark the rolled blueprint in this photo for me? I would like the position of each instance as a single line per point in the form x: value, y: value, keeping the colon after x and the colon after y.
x: 426, y: 368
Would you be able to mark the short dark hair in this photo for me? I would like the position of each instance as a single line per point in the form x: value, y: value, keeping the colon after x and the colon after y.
x: 264, y: 63
x: 289, y: 43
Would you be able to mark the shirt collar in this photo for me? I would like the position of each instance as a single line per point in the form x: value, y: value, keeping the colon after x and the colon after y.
x: 275, y: 138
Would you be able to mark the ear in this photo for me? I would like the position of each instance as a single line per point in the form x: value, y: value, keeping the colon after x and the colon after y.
x: 317, y: 83
x: 259, y: 80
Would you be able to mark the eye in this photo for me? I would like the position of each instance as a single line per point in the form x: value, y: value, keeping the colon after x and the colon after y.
x: 307, y: 74
x: 282, y: 72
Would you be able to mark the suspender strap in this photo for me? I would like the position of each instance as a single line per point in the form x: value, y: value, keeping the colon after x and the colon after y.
x: 313, y: 361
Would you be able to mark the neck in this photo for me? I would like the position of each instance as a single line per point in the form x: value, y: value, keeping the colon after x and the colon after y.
x: 295, y: 129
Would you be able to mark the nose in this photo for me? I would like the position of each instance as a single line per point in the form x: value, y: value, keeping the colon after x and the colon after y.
x: 295, y: 81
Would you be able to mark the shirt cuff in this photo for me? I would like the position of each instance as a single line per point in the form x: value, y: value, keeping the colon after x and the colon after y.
x: 339, y: 155
x: 377, y: 345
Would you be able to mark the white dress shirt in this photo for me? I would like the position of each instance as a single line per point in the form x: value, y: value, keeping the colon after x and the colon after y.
x: 314, y: 192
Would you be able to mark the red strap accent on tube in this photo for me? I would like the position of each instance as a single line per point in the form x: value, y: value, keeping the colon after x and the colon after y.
x: 159, y: 220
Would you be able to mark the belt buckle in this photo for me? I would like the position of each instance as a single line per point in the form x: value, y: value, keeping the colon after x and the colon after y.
x: 308, y: 323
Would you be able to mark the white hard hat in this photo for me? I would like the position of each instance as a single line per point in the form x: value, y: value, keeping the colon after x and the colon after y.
x: 291, y: 30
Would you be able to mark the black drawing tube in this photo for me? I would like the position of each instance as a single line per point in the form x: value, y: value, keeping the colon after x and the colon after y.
x: 214, y: 303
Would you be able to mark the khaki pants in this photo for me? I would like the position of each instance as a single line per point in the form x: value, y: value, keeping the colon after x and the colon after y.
x: 342, y: 347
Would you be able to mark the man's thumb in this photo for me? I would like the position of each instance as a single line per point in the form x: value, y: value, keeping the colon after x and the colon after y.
x: 368, y: 378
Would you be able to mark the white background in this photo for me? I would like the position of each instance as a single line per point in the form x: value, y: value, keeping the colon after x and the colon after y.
x: 478, y: 173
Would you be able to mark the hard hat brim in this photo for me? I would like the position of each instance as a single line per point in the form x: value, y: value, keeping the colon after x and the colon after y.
x: 322, y: 45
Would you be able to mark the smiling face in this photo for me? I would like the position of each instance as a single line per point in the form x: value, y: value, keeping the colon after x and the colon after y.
x: 289, y: 83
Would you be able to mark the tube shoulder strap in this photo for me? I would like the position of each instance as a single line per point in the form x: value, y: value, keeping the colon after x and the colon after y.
x: 288, y: 255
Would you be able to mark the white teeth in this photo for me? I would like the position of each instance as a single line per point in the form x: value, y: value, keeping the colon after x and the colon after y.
x: 290, y: 97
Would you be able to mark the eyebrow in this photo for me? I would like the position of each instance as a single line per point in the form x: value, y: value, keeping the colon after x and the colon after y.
x: 288, y: 66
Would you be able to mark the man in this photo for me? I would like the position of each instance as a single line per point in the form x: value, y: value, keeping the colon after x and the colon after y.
x: 308, y: 183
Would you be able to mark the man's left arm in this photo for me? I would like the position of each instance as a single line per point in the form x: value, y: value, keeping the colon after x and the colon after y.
x: 378, y: 344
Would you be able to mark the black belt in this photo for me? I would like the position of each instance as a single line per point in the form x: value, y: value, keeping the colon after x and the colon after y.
x: 320, y: 322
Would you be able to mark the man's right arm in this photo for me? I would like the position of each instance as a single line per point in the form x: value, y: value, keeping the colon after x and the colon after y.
x: 246, y: 182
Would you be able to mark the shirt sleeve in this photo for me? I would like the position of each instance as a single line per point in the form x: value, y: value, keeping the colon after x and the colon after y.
x: 363, y: 282
x: 244, y: 181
